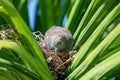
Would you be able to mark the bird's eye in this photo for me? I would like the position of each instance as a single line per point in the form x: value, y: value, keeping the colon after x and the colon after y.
x: 59, y: 43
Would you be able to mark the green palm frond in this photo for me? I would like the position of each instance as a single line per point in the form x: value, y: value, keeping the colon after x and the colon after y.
x: 95, y: 27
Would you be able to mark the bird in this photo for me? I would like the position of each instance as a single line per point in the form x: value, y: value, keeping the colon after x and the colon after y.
x: 58, y: 39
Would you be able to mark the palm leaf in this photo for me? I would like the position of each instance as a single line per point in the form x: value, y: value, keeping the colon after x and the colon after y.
x: 95, y: 27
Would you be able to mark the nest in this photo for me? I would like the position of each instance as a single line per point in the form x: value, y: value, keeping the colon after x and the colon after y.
x: 7, y: 32
x: 57, y: 61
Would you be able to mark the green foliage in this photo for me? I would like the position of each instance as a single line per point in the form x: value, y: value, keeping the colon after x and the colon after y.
x: 95, y: 27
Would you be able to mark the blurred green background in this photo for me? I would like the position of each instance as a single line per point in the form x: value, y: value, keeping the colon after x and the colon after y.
x: 40, y: 15
x: 95, y: 25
